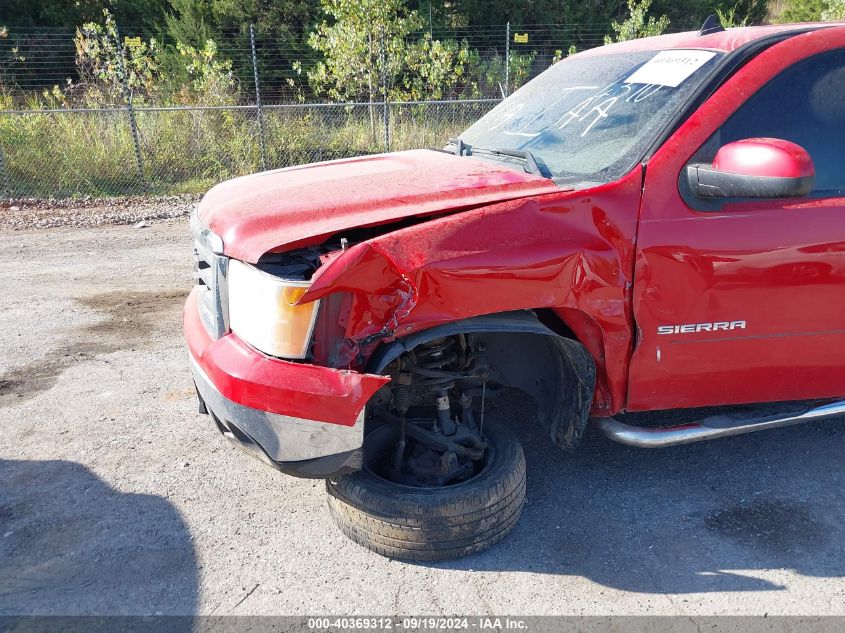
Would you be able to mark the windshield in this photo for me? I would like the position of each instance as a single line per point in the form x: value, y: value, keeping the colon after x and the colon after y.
x: 591, y: 119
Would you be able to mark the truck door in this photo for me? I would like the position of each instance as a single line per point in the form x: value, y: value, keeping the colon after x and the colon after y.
x: 743, y: 300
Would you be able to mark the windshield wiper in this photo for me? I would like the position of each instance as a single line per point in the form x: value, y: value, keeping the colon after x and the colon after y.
x: 530, y: 162
x: 461, y: 148
x: 465, y: 149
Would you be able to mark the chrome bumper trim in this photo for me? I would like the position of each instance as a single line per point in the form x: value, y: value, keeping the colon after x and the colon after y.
x: 283, y: 438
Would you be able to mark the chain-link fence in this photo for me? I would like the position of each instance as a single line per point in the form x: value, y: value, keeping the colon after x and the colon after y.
x: 500, y: 57
x: 60, y: 153
x: 143, y: 136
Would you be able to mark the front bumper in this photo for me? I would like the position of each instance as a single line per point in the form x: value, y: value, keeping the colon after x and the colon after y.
x: 302, y: 419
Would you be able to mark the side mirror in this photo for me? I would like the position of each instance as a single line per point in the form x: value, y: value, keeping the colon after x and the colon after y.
x: 755, y: 168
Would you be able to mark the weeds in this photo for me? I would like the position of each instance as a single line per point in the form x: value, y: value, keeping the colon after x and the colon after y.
x: 63, y: 154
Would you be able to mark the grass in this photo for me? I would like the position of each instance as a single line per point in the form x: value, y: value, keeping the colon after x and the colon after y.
x: 75, y: 154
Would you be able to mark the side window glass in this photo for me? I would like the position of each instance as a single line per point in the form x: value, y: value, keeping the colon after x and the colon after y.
x: 806, y: 105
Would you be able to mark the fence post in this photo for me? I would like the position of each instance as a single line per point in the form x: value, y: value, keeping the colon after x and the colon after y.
x: 386, y: 116
x: 5, y: 185
x: 127, y: 95
x: 262, y: 145
x: 507, y: 58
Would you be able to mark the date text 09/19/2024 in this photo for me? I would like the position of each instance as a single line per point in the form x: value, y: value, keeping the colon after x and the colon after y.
x: 423, y: 623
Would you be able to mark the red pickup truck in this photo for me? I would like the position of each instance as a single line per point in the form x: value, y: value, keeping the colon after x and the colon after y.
x: 656, y: 224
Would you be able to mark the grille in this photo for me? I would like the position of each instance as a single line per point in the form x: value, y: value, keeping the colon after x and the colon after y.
x: 210, y: 270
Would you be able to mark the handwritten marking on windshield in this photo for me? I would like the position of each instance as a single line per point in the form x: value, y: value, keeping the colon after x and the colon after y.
x: 589, y: 111
x: 506, y: 114
x: 643, y: 93
x: 600, y: 110
x: 610, y: 95
x: 566, y: 92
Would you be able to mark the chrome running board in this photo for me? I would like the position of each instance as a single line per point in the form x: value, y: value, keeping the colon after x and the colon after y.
x: 712, y: 427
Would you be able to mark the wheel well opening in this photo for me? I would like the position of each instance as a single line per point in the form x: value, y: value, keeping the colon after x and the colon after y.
x: 557, y: 372
x: 551, y: 320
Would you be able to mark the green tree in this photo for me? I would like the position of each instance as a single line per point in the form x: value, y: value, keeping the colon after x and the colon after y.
x: 31, y: 26
x: 189, y: 22
x: 212, y: 81
x: 364, y: 48
x: 518, y: 12
x: 435, y: 69
x: 812, y: 11
x: 145, y: 16
x: 744, y: 12
x: 101, y: 73
x: 834, y: 11
x: 638, y: 24
x: 364, y: 44
x: 802, y: 11
x: 282, y: 28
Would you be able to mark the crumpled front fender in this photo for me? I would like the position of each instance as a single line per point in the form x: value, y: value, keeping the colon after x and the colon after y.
x: 571, y: 252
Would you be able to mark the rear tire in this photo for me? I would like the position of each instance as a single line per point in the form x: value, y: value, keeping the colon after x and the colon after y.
x: 432, y: 523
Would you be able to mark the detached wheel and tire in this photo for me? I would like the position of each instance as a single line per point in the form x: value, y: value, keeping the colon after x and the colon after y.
x: 430, y: 522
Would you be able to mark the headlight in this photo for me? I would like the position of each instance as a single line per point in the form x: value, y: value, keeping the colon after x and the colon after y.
x: 262, y: 311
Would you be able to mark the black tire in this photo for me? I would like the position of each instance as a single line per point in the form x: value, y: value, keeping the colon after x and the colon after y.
x: 412, y: 523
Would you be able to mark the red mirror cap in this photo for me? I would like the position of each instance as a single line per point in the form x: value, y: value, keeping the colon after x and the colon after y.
x: 769, y: 157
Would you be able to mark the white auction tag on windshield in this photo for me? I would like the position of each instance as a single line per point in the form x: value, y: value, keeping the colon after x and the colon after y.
x: 670, y: 68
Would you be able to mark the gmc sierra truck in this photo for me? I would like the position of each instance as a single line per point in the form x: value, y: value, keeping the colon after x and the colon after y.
x: 650, y: 225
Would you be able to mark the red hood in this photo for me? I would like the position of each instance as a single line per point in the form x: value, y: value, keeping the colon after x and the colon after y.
x: 302, y: 205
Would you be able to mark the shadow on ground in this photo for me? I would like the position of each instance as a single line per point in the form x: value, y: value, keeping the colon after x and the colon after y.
x: 698, y: 518
x: 70, y: 545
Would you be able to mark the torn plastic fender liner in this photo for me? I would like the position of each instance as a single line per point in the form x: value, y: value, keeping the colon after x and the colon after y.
x: 571, y: 252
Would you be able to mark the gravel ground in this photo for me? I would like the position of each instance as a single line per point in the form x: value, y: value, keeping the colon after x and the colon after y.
x: 117, y: 497
x: 28, y: 213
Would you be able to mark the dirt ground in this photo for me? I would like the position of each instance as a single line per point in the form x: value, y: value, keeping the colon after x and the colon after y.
x: 117, y: 497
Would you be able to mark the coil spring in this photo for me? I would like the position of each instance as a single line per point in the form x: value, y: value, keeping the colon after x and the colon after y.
x: 430, y: 363
x: 402, y: 398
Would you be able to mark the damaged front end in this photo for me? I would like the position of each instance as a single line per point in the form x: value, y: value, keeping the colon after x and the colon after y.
x: 258, y: 383
x: 435, y: 446
x: 424, y: 319
x: 538, y: 288
x: 565, y: 257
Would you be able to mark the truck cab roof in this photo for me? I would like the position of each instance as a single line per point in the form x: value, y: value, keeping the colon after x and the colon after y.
x: 727, y: 40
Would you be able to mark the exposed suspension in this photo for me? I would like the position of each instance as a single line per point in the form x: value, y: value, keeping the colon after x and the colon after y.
x: 441, y: 445
x: 436, y: 367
